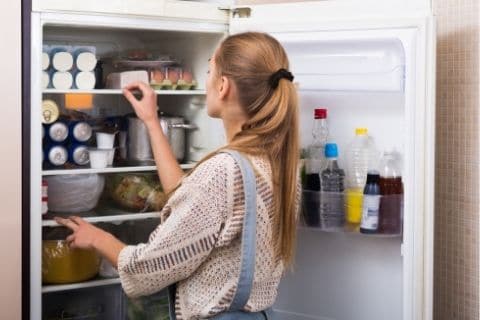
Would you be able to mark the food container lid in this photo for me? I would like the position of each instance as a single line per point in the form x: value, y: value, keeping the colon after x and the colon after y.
x: 50, y: 111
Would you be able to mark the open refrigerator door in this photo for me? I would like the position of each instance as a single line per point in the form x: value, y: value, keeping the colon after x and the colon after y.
x: 375, y: 71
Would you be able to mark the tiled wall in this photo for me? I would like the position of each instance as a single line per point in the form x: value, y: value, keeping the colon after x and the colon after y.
x: 456, y: 277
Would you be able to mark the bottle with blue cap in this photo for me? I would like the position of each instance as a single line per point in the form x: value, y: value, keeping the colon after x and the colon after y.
x: 332, y: 176
x: 332, y: 214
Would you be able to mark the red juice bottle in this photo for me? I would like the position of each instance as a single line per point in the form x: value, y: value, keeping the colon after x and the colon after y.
x: 391, y: 190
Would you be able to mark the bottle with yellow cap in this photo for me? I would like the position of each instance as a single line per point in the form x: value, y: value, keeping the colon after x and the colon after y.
x: 361, y: 156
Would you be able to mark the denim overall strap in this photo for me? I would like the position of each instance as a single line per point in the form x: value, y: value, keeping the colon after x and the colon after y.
x: 248, y: 247
x: 248, y: 233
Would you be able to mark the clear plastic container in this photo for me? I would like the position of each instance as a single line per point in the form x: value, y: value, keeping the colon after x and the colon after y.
x: 332, y: 210
x: 361, y: 157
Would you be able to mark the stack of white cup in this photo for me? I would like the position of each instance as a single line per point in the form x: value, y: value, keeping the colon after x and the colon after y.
x: 102, y: 156
x: 62, y: 63
x: 71, y: 67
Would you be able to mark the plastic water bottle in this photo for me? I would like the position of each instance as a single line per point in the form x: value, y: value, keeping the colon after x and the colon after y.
x: 361, y: 157
x: 315, y: 161
x: 332, y: 214
x: 332, y: 175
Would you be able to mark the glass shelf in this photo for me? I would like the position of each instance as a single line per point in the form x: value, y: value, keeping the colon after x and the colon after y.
x: 119, y: 92
x: 349, y: 232
x: 55, y: 172
x: 121, y: 217
x: 98, y: 282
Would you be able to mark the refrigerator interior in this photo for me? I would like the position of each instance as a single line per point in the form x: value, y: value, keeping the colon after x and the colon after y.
x: 362, y: 82
x: 109, y: 301
x: 192, y: 49
x: 104, y: 303
x: 346, y: 276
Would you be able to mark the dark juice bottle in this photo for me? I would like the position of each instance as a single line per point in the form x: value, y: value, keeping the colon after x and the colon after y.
x: 314, y: 163
x: 371, y: 204
x: 391, y: 190
x: 312, y: 182
x: 311, y: 200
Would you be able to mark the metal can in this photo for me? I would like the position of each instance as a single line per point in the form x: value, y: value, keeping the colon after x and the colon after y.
x: 58, y: 132
x: 44, y: 197
x: 80, y: 131
x: 50, y: 111
x: 78, y: 154
x: 56, y: 155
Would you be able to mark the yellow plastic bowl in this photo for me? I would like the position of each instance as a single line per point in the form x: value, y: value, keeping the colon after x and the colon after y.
x: 60, y: 264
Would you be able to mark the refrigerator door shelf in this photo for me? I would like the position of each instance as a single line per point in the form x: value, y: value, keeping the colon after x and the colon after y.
x: 347, y: 64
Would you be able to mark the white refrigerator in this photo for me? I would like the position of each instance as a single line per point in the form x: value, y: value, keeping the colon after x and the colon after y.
x: 369, y: 68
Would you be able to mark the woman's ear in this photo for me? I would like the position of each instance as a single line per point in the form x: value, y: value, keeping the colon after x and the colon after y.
x: 225, y: 87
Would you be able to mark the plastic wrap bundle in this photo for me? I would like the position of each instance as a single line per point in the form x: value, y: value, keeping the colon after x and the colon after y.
x: 74, y: 193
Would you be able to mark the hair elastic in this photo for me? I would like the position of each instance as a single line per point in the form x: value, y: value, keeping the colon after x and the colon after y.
x: 277, y: 76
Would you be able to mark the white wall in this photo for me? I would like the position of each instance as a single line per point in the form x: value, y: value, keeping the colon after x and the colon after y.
x: 10, y: 160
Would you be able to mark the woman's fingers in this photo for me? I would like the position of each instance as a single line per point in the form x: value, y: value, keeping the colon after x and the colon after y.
x: 144, y: 88
x: 133, y: 85
x: 79, y: 221
x: 130, y: 97
x: 70, y: 239
x: 67, y: 223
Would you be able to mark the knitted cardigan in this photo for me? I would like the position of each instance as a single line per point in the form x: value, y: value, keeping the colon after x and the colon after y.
x: 198, y: 242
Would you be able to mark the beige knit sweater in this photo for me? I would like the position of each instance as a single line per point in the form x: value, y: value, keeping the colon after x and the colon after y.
x: 198, y: 243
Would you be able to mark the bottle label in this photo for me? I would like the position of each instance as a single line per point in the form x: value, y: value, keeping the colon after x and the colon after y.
x: 371, y: 205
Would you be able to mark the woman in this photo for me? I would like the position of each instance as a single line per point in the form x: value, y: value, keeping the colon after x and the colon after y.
x: 198, y: 244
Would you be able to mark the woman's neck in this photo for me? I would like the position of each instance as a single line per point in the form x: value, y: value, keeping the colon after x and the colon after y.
x: 233, y: 121
x: 232, y: 127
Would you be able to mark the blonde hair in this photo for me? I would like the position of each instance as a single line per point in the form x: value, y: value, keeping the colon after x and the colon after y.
x: 249, y: 60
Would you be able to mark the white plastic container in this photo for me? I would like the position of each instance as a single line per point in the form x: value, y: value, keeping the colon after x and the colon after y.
x: 45, y: 80
x: 45, y: 61
x: 85, y: 80
x: 98, y: 158
x: 111, y: 154
x: 119, y: 80
x: 62, y: 80
x: 105, y: 140
x: 86, y: 61
x: 62, y: 61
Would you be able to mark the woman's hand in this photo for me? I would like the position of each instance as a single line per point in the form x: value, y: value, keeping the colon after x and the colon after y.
x: 146, y: 107
x: 84, y: 236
